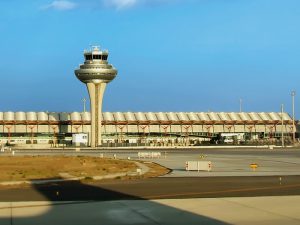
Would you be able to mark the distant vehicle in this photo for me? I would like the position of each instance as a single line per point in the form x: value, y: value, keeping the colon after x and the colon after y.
x: 228, y: 140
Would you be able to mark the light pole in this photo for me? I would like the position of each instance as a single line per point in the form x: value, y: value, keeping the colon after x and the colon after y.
x: 293, y: 94
x: 282, y: 141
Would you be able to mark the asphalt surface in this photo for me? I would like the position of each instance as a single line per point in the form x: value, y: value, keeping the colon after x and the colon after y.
x: 286, y: 152
x: 274, y: 200
x: 173, y: 150
x: 157, y: 188
x: 225, y: 162
x: 173, y: 187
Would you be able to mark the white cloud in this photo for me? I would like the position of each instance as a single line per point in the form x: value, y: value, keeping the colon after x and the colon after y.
x: 115, y: 4
x: 120, y: 4
x: 60, y: 5
x: 124, y: 4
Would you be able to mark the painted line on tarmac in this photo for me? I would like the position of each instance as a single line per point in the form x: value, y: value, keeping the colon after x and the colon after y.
x: 48, y: 203
x: 220, y: 192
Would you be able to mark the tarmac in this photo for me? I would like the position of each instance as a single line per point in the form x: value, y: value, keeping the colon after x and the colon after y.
x: 225, y: 162
x: 233, y: 163
x: 206, y: 211
x: 266, y: 210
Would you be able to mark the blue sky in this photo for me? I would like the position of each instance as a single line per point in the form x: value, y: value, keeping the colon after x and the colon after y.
x: 172, y: 55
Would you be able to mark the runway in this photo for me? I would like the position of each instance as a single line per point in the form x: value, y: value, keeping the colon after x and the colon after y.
x: 157, y: 188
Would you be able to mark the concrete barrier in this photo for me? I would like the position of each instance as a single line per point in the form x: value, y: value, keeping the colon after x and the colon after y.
x: 198, y: 165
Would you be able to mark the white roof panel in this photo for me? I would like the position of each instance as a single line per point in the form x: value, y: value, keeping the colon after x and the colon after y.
x: 223, y: 116
x: 254, y: 116
x: 286, y: 117
x: 20, y: 116
x: 140, y: 116
x: 213, y: 116
x: 129, y: 116
x: 86, y: 116
x: 119, y: 117
x: 192, y: 116
x: 42, y: 116
x: 31, y: 116
x: 151, y: 116
x: 203, y: 116
x: 183, y: 116
x: 147, y: 116
x: 264, y: 116
x: 75, y: 116
x: 274, y: 116
x: 162, y: 116
x: 244, y: 116
x: 234, y: 116
x: 53, y: 116
x: 108, y: 116
x: 172, y: 116
x: 8, y: 116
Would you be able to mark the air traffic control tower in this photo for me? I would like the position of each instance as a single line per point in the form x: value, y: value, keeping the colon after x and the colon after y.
x: 96, y: 73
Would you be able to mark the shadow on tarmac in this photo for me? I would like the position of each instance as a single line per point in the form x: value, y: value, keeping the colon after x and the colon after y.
x: 93, y: 205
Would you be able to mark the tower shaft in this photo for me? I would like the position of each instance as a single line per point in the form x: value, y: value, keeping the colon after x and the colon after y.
x: 96, y: 92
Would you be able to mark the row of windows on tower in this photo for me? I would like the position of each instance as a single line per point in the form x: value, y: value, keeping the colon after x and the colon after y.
x: 101, y: 57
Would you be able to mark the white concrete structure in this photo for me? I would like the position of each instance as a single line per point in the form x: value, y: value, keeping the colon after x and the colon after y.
x: 80, y: 139
x: 198, y: 165
x: 96, y: 73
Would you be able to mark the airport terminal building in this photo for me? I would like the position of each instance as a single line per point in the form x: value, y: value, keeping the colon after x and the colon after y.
x: 97, y: 128
x: 146, y: 128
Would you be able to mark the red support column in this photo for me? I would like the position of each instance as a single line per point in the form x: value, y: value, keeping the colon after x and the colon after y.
x: 208, y: 130
x: 8, y: 127
x: 271, y: 128
x: 31, y: 127
x: 229, y: 128
x: 165, y: 129
x: 144, y: 128
x: 186, y: 128
x: 121, y: 128
x: 76, y: 127
x: 54, y: 127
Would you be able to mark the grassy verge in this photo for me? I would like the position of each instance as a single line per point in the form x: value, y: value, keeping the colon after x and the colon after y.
x: 46, y: 167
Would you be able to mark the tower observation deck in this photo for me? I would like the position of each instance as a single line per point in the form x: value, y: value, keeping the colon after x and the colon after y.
x: 96, y: 72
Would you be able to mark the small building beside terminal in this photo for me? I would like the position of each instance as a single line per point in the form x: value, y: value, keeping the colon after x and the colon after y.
x: 146, y: 128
